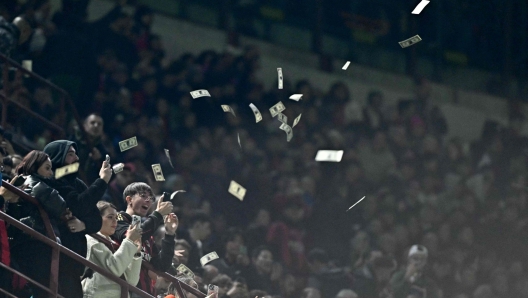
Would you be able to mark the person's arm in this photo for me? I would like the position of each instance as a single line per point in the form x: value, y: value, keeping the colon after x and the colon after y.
x: 150, y: 225
x: 399, y: 285
x: 92, y: 222
x: 117, y: 262
x: 121, y: 229
x: 163, y: 260
x: 133, y: 271
x: 50, y: 199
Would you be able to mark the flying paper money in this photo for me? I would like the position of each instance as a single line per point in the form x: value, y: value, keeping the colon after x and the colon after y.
x: 184, y: 270
x: 296, y: 97
x: 410, y: 41
x: 356, y: 203
x: 208, y: 258
x: 296, y: 120
x: 277, y: 108
x: 66, y: 170
x: 168, y: 156
x: 288, y: 130
x: 420, y: 7
x: 283, y: 118
x: 279, y: 73
x: 329, y: 155
x: 128, y: 144
x: 118, y: 168
x: 346, y: 65
x: 158, y: 174
x: 200, y: 93
x: 238, y: 136
x: 258, y: 116
x: 227, y: 108
x: 175, y: 193
x: 237, y: 190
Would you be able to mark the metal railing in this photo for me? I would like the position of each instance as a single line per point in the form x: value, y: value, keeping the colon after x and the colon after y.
x: 50, y: 240
x: 9, y: 88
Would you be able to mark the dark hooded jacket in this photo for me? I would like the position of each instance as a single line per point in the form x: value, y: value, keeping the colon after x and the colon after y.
x: 81, y: 200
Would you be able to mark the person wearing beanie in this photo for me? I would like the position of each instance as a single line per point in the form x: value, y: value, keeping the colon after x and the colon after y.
x: 412, y: 281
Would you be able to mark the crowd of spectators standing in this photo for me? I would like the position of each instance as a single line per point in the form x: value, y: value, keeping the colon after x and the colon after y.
x: 466, y: 203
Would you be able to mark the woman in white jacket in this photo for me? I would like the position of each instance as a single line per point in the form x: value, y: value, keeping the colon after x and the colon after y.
x: 126, y: 261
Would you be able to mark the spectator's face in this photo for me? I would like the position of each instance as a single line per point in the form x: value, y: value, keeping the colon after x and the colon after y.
x: 182, y: 260
x: 109, y: 222
x: 419, y: 260
x: 93, y: 125
x: 264, y: 261
x: 45, y: 169
x: 233, y: 245
x: 203, y: 230
x: 140, y: 203
x: 71, y: 157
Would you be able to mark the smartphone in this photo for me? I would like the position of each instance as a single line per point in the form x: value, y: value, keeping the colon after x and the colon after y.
x: 166, y: 196
x: 212, y: 291
x: 19, y: 181
x: 136, y: 219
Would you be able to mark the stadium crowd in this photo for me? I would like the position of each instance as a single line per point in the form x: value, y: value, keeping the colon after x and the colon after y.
x: 464, y: 204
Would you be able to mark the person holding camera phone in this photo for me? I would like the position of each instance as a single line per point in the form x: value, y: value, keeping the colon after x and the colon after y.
x: 82, y: 201
x: 412, y: 281
x: 139, y: 197
x: 124, y: 262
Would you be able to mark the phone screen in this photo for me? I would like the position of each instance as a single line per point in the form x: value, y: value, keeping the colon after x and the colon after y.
x: 19, y: 181
x: 166, y: 196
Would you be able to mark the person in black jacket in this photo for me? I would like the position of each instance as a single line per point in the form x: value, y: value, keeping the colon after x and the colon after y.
x: 32, y: 256
x: 138, y: 197
x: 82, y: 201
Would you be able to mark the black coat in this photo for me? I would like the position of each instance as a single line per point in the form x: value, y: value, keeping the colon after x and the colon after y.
x: 49, y: 199
x: 81, y: 199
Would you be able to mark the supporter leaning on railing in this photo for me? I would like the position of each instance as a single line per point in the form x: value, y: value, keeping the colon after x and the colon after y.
x: 125, y: 262
x: 32, y: 256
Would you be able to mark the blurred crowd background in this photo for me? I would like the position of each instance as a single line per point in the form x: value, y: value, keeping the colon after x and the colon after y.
x: 465, y: 202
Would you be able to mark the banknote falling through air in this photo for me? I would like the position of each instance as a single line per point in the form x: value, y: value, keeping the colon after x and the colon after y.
x: 238, y: 136
x: 277, y: 108
x: 173, y: 195
x: 184, y: 270
x: 66, y: 170
x: 279, y: 74
x: 258, y: 115
x: 282, y: 118
x: 296, y: 97
x: 200, y: 93
x: 329, y: 155
x: 355, y: 203
x: 128, y: 144
x: 288, y: 130
x: 27, y: 64
x: 208, y: 258
x: 227, y: 109
x: 410, y: 41
x: 346, y: 65
x: 118, y: 168
x: 420, y: 7
x: 237, y: 190
x: 158, y: 173
x: 296, y: 120
x: 168, y: 156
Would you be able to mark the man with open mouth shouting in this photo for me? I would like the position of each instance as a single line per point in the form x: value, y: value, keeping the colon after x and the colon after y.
x: 138, y: 197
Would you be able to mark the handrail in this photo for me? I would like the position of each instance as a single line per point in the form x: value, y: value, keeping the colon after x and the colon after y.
x: 125, y: 287
x: 54, y: 270
x: 64, y: 96
x: 165, y: 275
x: 37, y: 116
